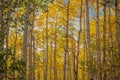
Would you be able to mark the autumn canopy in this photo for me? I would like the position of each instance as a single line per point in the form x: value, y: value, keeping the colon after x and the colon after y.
x: 59, y: 39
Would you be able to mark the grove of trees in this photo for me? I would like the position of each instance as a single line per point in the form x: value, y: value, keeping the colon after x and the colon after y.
x: 59, y: 39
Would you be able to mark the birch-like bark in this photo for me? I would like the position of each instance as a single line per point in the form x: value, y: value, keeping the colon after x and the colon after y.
x: 34, y: 57
x: 25, y: 37
x: 104, y: 43
x: 46, y: 56
x: 90, y: 60
x: 55, y: 48
x: 30, y: 74
x: 66, y: 48
x: 98, y: 40
x: 117, y: 22
x: 51, y: 59
x: 110, y: 40
x: 78, y: 47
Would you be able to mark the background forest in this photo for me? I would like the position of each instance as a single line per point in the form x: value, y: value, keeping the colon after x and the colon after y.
x: 59, y: 39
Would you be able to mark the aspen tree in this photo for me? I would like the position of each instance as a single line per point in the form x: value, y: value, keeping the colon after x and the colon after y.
x: 117, y: 19
x: 90, y: 67
x: 104, y: 42
x: 98, y: 39
x: 66, y: 48
x: 46, y: 61
x: 25, y: 35
x: 78, y: 50
x: 30, y: 76
x: 55, y: 50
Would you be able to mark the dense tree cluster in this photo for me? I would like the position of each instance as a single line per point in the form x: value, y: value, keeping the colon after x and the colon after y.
x: 59, y: 39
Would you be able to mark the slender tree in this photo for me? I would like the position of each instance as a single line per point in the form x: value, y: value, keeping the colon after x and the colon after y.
x: 104, y: 41
x: 111, y: 39
x: 46, y: 61
x: 51, y: 60
x: 98, y: 39
x: 66, y: 48
x: 1, y: 25
x: 73, y: 56
x: 55, y: 51
x: 25, y: 35
x: 117, y: 25
x: 8, y: 24
x: 78, y: 51
x: 30, y: 76
x: 90, y: 67
x: 43, y: 54
x: 34, y: 57
x: 84, y: 42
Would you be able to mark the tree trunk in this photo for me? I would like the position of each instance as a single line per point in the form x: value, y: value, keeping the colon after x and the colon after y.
x: 30, y: 74
x: 68, y: 66
x: 90, y: 63
x: 7, y: 25
x: 25, y: 37
x: 66, y: 48
x: 73, y: 57
x: 110, y: 41
x: 84, y: 37
x: 55, y: 48
x: 43, y: 46
x: 1, y: 26
x: 78, y: 51
x: 104, y: 44
x: 98, y: 40
x: 51, y: 60
x: 46, y: 56
x: 117, y: 21
x: 34, y: 57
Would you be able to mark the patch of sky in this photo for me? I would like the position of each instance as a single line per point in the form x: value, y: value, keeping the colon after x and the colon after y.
x: 65, y: 2
x: 76, y: 24
x: 91, y: 12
